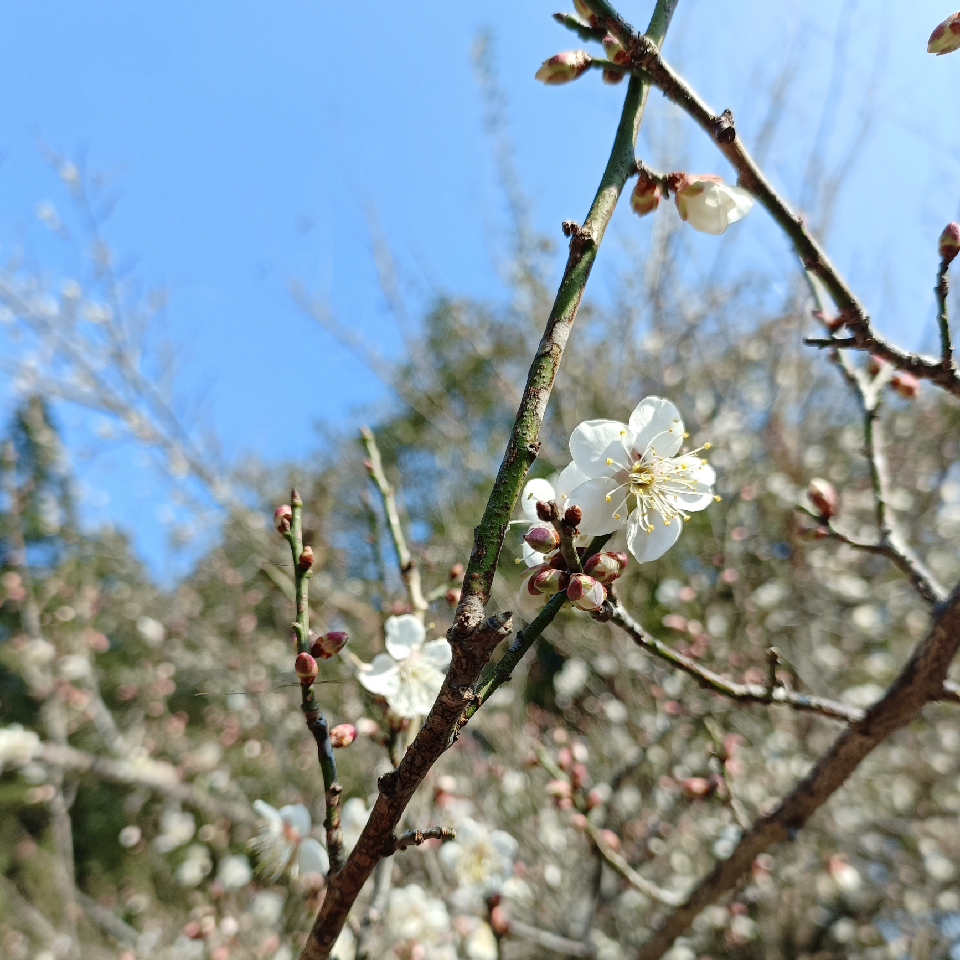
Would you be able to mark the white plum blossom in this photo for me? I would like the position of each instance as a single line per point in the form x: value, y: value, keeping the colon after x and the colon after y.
x: 176, y: 828
x: 234, y: 872
x: 710, y: 205
x: 195, y: 867
x: 17, y: 746
x: 353, y: 818
x: 479, y: 859
x: 284, y: 842
x: 637, y: 480
x: 409, y: 675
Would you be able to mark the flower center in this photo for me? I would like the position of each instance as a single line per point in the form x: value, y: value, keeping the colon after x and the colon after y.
x: 478, y: 862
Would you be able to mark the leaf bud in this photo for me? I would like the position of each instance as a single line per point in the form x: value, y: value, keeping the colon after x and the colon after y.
x: 548, y: 581
x: 949, y: 244
x: 342, y: 735
x: 946, y: 36
x: 585, y: 593
x: 646, y: 196
x: 306, y: 668
x: 306, y: 558
x: 824, y: 497
x: 605, y: 567
x: 542, y: 538
x: 572, y: 515
x: 906, y: 384
x: 564, y: 67
x: 329, y: 645
x: 283, y: 518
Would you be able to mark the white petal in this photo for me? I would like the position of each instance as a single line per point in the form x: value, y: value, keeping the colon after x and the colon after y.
x: 416, y: 694
x: 743, y: 202
x: 531, y: 557
x: 652, y: 417
x: 437, y: 653
x: 382, y: 677
x: 594, y: 442
x: 571, y: 476
x: 700, y: 495
x: 538, y: 489
x: 650, y: 546
x: 404, y: 634
x: 296, y: 815
x: 450, y: 853
x: 598, y: 511
x: 313, y: 858
x: 270, y: 814
x: 529, y: 604
x: 504, y: 844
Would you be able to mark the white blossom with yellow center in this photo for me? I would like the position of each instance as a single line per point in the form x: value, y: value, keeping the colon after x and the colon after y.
x: 284, y: 842
x: 637, y: 480
x: 480, y: 859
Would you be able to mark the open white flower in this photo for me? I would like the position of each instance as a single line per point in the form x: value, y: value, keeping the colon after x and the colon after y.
x: 284, y: 842
x: 710, y: 205
x: 480, y: 859
x: 409, y: 675
x: 636, y: 478
x: 17, y: 746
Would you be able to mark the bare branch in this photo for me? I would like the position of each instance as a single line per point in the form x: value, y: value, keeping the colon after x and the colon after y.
x: 413, y: 838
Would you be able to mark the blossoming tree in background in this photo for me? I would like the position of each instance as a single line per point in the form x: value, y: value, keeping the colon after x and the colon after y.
x: 738, y: 742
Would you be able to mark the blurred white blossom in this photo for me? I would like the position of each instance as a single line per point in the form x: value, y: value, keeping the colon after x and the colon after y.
x: 17, y: 746
x: 284, y: 842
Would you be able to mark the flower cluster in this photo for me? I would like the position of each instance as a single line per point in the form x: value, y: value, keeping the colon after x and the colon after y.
x: 703, y: 200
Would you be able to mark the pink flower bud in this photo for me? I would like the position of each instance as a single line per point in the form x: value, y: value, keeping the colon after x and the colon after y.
x: 306, y: 668
x: 578, y: 776
x: 282, y: 518
x: 456, y: 573
x: 329, y: 645
x: 548, y: 582
x: 906, y: 384
x: 306, y: 558
x: 585, y: 593
x: 594, y: 799
x: 824, y: 497
x: 342, y: 735
x: 694, y: 787
x: 585, y: 13
x: 367, y: 727
x: 646, y: 197
x: 610, y: 839
x: 875, y: 364
x: 564, y: 758
x: 605, y: 567
x: 452, y: 596
x: 564, y: 67
x: 578, y: 821
x: 542, y: 538
x: 572, y: 515
x: 949, y: 245
x: 558, y: 789
x: 611, y: 77
x: 946, y: 37
x: 613, y: 49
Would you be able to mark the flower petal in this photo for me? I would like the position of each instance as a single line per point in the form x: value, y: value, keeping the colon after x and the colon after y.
x: 296, y: 815
x: 270, y: 814
x: 647, y: 546
x: 537, y: 489
x: 571, y: 476
x: 404, y: 634
x: 652, y: 417
x: 312, y: 857
x: 416, y: 694
x: 531, y: 557
x: 437, y: 653
x: 383, y: 676
x: 598, y: 511
x: 528, y: 604
x: 593, y: 442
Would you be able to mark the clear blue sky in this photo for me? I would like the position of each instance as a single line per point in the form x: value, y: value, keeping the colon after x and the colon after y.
x: 246, y: 139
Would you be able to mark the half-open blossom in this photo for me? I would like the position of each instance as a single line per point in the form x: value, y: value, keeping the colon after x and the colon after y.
x: 564, y: 67
x: 946, y: 36
x: 637, y: 480
x: 605, y: 567
x: 708, y: 204
x: 409, y: 675
x: 585, y: 593
x: 480, y: 859
x: 284, y: 842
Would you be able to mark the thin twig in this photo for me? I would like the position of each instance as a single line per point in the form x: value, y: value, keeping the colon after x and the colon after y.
x: 413, y: 838
x: 409, y: 569
x: 943, y: 319
x: 548, y: 940
x: 742, y: 692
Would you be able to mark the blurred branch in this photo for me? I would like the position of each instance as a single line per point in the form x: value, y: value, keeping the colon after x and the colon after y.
x: 473, y: 637
x: 549, y: 941
x: 409, y: 568
x: 742, y: 692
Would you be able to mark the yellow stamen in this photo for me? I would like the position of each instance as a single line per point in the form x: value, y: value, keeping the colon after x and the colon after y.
x: 609, y: 461
x: 718, y: 498
x: 518, y: 560
x: 608, y: 498
x: 686, y: 436
x: 616, y: 516
x: 706, y: 446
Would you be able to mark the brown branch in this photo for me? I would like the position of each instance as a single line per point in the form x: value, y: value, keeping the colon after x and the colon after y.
x: 409, y: 569
x: 741, y: 692
x: 921, y: 681
x: 413, y: 838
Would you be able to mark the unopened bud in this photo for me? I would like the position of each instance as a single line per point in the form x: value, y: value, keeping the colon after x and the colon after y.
x: 906, y: 384
x: 342, y: 735
x: 610, y: 839
x: 367, y: 727
x: 585, y: 593
x: 499, y: 922
x: 824, y: 497
x: 572, y: 515
x: 558, y: 789
x: 946, y: 37
x: 547, y: 510
x: 549, y: 581
x: 564, y: 67
x: 282, y: 518
x: 646, y: 197
x: 306, y: 558
x: 594, y: 799
x: 694, y: 787
x: 452, y: 596
x: 456, y: 573
x: 611, y: 77
x: 329, y: 645
x: 605, y: 567
x: 875, y: 364
x: 542, y: 538
x: 306, y: 668
x: 949, y: 245
x: 613, y: 49
x: 578, y: 776
x: 585, y: 13
x: 578, y: 821
x: 564, y: 758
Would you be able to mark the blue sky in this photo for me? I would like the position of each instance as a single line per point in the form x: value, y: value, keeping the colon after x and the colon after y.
x: 246, y: 140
